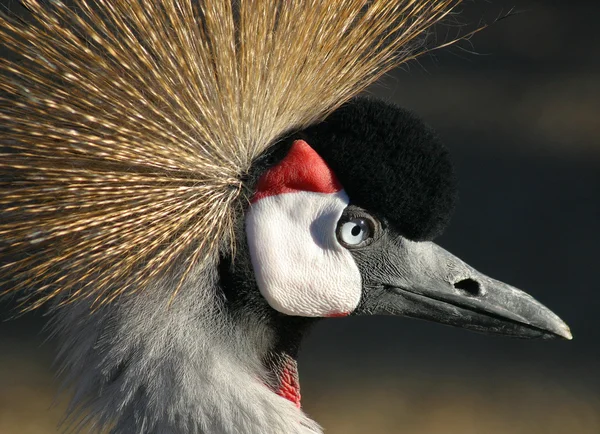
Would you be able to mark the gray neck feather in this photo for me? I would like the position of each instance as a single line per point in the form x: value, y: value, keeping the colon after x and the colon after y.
x: 142, y: 365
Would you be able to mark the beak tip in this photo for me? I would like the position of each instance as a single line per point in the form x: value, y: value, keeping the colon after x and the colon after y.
x: 563, y: 331
x: 567, y: 333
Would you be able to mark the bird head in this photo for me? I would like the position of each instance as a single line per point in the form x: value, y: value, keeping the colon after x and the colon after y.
x: 340, y: 222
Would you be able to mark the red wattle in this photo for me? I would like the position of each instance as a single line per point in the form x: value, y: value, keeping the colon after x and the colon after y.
x: 289, y: 387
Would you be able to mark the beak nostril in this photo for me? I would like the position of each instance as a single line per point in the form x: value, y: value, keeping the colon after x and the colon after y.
x: 469, y: 285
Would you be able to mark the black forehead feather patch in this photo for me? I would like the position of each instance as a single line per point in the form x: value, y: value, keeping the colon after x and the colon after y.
x: 390, y: 163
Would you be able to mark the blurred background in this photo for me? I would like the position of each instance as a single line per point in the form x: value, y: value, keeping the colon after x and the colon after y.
x: 519, y: 108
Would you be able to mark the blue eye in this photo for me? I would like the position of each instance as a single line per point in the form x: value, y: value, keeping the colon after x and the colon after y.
x: 354, y: 232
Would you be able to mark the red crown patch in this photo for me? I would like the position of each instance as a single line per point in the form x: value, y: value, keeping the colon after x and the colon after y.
x: 301, y: 170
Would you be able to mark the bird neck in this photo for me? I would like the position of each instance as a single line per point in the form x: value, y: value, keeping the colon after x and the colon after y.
x: 282, y: 360
x: 247, y: 306
x: 191, y: 365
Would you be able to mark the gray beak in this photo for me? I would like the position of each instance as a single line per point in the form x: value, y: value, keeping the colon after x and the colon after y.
x: 422, y: 280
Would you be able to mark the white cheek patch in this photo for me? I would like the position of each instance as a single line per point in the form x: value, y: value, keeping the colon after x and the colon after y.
x: 300, y: 267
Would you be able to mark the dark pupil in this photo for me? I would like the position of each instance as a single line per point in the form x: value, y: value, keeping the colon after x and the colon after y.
x: 356, y: 230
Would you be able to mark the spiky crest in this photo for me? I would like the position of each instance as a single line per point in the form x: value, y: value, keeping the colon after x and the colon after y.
x: 128, y: 125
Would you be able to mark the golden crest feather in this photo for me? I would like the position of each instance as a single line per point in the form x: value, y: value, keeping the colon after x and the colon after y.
x: 126, y: 126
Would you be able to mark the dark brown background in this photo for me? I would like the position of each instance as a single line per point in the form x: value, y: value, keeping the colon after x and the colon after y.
x: 519, y: 108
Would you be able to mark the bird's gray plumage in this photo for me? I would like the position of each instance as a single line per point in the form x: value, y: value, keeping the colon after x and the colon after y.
x: 154, y: 367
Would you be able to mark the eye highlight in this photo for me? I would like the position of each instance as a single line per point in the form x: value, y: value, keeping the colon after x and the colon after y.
x: 354, y: 232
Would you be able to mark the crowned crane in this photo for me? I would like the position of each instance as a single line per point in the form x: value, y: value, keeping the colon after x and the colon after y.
x: 190, y: 186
